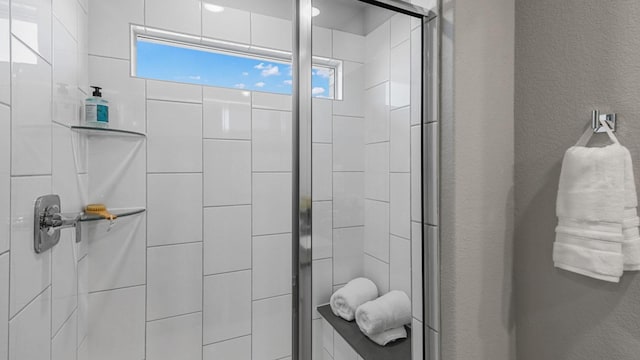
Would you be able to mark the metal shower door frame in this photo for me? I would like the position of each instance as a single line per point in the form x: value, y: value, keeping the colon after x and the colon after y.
x: 302, y: 310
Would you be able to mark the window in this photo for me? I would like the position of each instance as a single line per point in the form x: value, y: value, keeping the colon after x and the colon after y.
x: 225, y: 64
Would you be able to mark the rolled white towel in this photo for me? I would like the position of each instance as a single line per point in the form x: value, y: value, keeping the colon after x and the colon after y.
x: 356, y: 292
x: 389, y: 311
x: 388, y: 336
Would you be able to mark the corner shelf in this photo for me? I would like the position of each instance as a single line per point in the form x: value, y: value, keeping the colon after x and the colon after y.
x: 119, y: 213
x: 367, y: 349
x: 89, y: 130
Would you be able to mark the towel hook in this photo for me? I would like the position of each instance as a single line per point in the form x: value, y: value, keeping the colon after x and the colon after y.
x: 611, y: 119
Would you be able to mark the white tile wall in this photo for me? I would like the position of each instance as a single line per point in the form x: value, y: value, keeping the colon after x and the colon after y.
x: 378, y: 272
x: 174, y: 206
x: 348, y: 199
x: 117, y: 324
x: 322, y: 229
x: 227, y: 239
x: 348, y: 46
x: 377, y: 55
x: 322, y: 42
x: 229, y: 25
x: 65, y: 74
x: 348, y: 143
x: 31, y: 23
x: 175, y: 338
x: 172, y: 91
x: 271, y: 266
x: 226, y: 113
x: 5, y: 65
x: 234, y: 349
x: 399, y: 141
x: 174, y: 280
x: 271, y: 32
x: 5, y: 177
x: 64, y: 344
x: 400, y: 265
x: 271, y: 203
x: 400, y: 26
x: 400, y: 205
x: 271, y: 331
x: 4, y: 304
x: 322, y: 111
x: 271, y: 145
x: 416, y: 270
x: 227, y: 172
x: 183, y: 16
x: 376, y: 178
x: 322, y: 284
x: 342, y: 350
x: 30, y: 330
x: 348, y: 245
x: 64, y: 283
x: 377, y: 113
x: 174, y: 137
x: 227, y: 306
x: 322, y: 172
x: 400, y: 75
x: 353, y: 96
x: 376, y: 229
x: 109, y: 30
x: 30, y: 112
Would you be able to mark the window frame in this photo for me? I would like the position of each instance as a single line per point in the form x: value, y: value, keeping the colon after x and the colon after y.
x: 201, y: 43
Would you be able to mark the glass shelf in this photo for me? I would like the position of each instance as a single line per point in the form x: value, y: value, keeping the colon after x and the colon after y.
x: 119, y: 213
x: 89, y: 130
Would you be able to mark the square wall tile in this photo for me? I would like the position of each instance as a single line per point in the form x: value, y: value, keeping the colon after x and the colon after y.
x: 30, y: 111
x: 271, y: 32
x: 271, y: 328
x: 229, y: 25
x: 321, y: 118
x: 271, y: 266
x: 271, y: 101
x: 64, y: 345
x: 400, y: 207
x: 66, y: 102
x: 184, y: 16
x: 226, y: 113
x: 377, y: 113
x: 31, y: 23
x: 416, y: 270
x: 117, y: 323
x: 348, y: 143
x: 4, y: 304
x: 174, y: 141
x: 172, y: 91
x: 400, y: 75
x: 376, y: 229
x: 234, y: 349
x: 322, y: 286
x: 64, y: 279
x: 174, y: 206
x: 5, y: 177
x: 376, y: 177
x: 117, y: 256
x: 227, y: 172
x: 322, y: 41
x: 126, y: 94
x: 322, y: 229
x: 109, y: 30
x: 30, y: 330
x: 322, y: 172
x: 348, y: 199
x: 271, y: 203
x: 348, y: 46
x: 175, y: 338
x: 399, y: 144
x: 227, y: 306
x: 352, y: 103
x: 378, y: 272
x: 227, y: 239
x: 174, y: 280
x: 30, y: 272
x: 377, y: 51
x: 272, y: 144
x: 5, y: 65
x: 348, y: 245
x: 400, y: 265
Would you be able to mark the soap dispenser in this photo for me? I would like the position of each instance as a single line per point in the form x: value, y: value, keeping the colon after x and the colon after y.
x: 97, y: 109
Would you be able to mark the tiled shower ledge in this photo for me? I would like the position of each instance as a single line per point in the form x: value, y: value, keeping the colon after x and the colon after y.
x: 367, y: 349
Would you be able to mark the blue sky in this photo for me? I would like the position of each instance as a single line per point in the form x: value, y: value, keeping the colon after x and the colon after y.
x: 173, y: 63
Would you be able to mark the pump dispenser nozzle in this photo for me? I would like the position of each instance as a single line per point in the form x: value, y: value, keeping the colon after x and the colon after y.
x: 96, y: 91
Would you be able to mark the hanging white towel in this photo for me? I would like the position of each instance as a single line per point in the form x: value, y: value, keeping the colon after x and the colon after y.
x: 597, y: 232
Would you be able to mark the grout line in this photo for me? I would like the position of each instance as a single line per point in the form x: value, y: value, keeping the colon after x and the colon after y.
x: 271, y: 297
x: 146, y: 196
x: 223, y: 139
x: 172, y: 101
x: 64, y: 323
x: 29, y: 303
x: 251, y: 184
x: 115, y: 289
x: 202, y: 214
x: 176, y: 244
x: 224, y: 206
x: 173, y: 316
x: 110, y: 57
x: 226, y: 272
x: 276, y: 234
x: 378, y: 201
x: 225, y: 340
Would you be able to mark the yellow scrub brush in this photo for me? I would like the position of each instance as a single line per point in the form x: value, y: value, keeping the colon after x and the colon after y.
x: 99, y: 209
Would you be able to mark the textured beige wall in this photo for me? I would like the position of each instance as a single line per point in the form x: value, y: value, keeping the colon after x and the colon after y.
x: 477, y: 180
x: 571, y: 56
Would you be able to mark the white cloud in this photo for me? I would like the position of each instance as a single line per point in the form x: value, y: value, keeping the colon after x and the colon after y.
x: 288, y: 82
x: 260, y: 84
x: 268, y: 69
x: 239, y: 86
x: 317, y: 91
x: 245, y: 74
x: 260, y: 66
x: 325, y: 73
x: 194, y: 77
